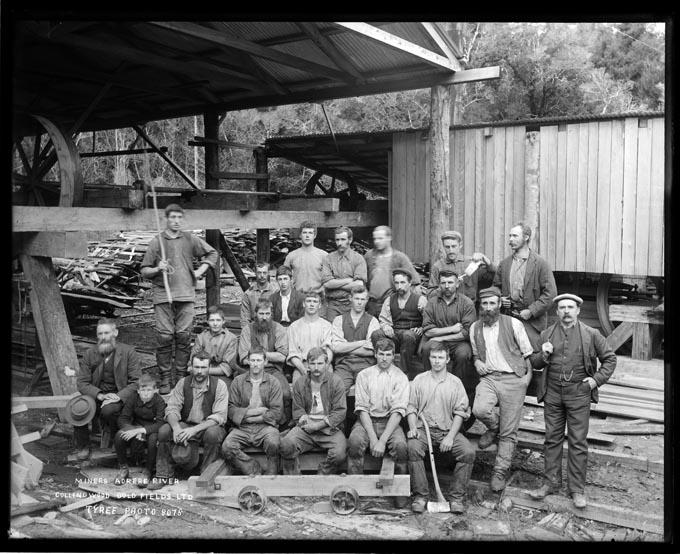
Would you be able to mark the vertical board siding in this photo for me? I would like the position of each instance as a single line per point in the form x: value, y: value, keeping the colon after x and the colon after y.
x: 601, y: 193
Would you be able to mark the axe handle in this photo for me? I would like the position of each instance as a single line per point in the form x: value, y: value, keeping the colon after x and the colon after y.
x: 440, y: 496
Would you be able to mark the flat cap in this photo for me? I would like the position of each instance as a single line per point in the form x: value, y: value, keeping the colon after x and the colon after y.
x: 568, y: 296
x: 402, y: 271
x: 491, y: 291
x: 447, y: 273
x: 451, y: 235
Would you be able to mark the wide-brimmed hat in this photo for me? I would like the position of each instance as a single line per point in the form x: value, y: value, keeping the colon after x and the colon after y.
x: 80, y: 410
x: 186, y: 455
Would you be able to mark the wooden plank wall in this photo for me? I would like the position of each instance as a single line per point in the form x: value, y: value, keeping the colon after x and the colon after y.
x: 600, y: 203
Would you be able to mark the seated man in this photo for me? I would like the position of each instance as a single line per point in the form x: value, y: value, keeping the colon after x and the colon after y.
x: 220, y: 343
x: 142, y: 416
x: 352, y: 344
x: 381, y: 398
x: 196, y: 412
x: 108, y: 373
x: 273, y: 339
x: 401, y: 319
x: 441, y: 398
x: 287, y: 303
x: 319, y: 408
x: 306, y: 333
x: 255, y: 410
x: 263, y: 287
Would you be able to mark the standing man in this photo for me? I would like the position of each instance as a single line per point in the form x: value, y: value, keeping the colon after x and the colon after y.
x: 287, y: 303
x: 174, y: 319
x: 380, y: 261
x: 319, y: 410
x: 196, y: 413
x: 352, y: 344
x: 453, y: 259
x: 568, y: 385
x: 255, y: 410
x: 501, y: 351
x: 341, y: 271
x: 440, y: 397
x: 220, y: 343
x: 306, y: 261
x: 306, y: 333
x: 108, y: 372
x: 273, y: 339
x: 401, y: 319
x: 261, y: 288
x: 527, y: 284
x: 381, y: 399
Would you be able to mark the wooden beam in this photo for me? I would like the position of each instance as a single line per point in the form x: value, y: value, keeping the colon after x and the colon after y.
x: 120, y: 197
x: 69, y: 244
x: 399, y: 43
x: 435, y: 35
x: 262, y: 247
x: 203, y: 141
x: 212, y: 236
x: 42, y: 402
x: 51, y: 324
x: 636, y: 314
x: 236, y: 175
x: 209, y: 35
x: 620, y: 335
x: 328, y: 48
x: 321, y: 204
x: 41, y: 218
x: 108, y: 153
x: 233, y: 264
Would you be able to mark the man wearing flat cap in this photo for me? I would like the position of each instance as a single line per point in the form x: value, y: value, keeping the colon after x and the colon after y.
x: 568, y: 385
x: 501, y: 353
x: 470, y: 269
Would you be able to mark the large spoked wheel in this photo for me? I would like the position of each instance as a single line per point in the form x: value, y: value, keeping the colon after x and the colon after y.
x: 344, y: 500
x: 252, y: 500
x: 612, y: 290
x: 46, y: 168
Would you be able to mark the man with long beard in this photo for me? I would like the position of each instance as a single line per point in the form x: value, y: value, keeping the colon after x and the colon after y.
x: 109, y: 372
x: 501, y: 352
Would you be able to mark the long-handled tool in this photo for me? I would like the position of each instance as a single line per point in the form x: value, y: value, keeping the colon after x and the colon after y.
x: 441, y: 505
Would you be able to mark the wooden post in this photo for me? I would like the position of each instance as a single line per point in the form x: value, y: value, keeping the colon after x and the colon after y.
x: 49, y: 315
x: 531, y: 185
x: 262, y: 185
x: 440, y: 205
x: 212, y: 236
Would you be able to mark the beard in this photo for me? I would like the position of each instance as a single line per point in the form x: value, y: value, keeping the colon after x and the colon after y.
x: 489, y: 317
x: 262, y: 326
x: 106, y: 347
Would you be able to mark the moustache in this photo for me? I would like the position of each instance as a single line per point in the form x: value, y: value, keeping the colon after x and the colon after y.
x: 262, y: 326
x: 105, y: 347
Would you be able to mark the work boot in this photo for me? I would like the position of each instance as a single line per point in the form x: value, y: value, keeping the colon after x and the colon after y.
x: 487, y: 439
x: 419, y: 504
x: 164, y: 363
x: 182, y: 354
x: 579, y: 499
x: 158, y: 483
x: 144, y: 480
x: 83, y: 453
x: 400, y: 501
x: 543, y: 491
x: 456, y: 506
x: 272, y: 467
x: 497, y: 481
x: 121, y: 476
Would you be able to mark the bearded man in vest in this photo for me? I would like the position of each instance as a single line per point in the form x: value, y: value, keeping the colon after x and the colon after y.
x: 196, y: 412
x: 351, y: 342
x: 501, y: 353
x: 401, y: 319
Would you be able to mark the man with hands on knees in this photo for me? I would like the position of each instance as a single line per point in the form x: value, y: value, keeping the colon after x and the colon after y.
x: 441, y: 399
x: 196, y: 413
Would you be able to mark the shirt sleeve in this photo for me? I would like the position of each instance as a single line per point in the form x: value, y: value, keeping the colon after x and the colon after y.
x: 386, y: 315
x: 400, y: 393
x: 152, y: 254
x: 274, y: 403
x: 468, y: 316
x: 281, y: 343
x: 288, y: 261
x: 230, y: 351
x: 175, y: 401
x: 360, y: 269
x: 428, y: 315
x: 473, y: 344
x: 461, y: 404
x: 361, y: 395
x: 204, y: 251
x: 298, y: 400
x: 422, y: 302
x: 158, y: 412
x: 413, y: 399
x: 127, y: 413
x: 236, y: 412
x: 220, y: 407
x: 373, y: 326
x: 293, y: 343
x: 244, y: 343
x: 522, y: 338
x: 337, y: 333
x: 326, y: 270
x: 337, y: 411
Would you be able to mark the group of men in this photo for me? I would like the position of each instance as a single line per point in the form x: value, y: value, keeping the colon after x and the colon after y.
x: 333, y: 321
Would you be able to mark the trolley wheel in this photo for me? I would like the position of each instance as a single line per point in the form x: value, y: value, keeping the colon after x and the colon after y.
x: 344, y: 500
x: 252, y: 500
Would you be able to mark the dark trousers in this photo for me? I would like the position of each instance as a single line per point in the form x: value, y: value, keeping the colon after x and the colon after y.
x: 259, y: 435
x: 463, y: 453
x: 570, y: 405
x: 108, y: 415
x: 287, y: 409
x: 298, y: 441
x: 407, y: 343
x: 137, y: 450
x: 210, y: 438
x: 173, y: 327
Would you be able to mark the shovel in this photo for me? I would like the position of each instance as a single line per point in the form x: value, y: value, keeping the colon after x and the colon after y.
x: 441, y: 505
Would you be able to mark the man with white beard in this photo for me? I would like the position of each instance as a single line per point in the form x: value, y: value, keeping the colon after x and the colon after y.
x: 109, y: 372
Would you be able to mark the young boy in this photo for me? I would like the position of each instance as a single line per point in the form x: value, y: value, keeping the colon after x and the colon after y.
x: 139, y: 421
x: 220, y: 343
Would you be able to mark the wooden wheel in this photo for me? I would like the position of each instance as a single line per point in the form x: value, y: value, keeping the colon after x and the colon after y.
x: 611, y: 290
x: 46, y: 168
x: 252, y: 500
x: 344, y: 500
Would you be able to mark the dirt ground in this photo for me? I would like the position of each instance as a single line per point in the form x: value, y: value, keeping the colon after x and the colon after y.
x: 293, y: 518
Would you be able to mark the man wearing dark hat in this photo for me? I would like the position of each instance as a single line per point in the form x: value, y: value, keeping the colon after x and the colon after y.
x: 175, y: 316
x: 527, y: 284
x: 469, y: 268
x: 568, y: 385
x: 401, y: 319
x: 501, y: 352
x: 108, y: 373
x: 196, y: 413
